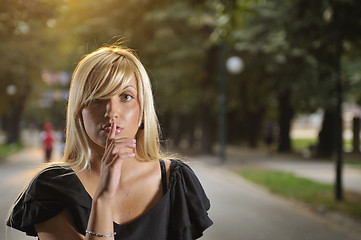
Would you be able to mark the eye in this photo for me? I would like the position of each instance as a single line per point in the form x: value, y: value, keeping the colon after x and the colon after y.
x: 126, y: 97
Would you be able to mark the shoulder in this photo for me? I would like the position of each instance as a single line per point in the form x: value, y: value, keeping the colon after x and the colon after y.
x: 59, y: 184
x: 182, y: 174
x: 52, y: 177
x: 189, y: 202
x: 174, y: 167
x: 53, y: 172
x: 177, y: 166
x: 51, y: 191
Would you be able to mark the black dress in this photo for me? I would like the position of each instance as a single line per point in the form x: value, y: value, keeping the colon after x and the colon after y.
x: 180, y: 214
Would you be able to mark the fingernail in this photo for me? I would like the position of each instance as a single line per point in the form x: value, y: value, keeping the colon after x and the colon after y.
x: 134, y: 140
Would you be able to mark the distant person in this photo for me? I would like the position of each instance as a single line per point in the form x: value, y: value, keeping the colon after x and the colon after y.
x: 47, y: 137
x: 113, y: 182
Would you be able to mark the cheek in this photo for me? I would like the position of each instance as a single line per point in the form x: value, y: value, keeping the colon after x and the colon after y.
x: 86, y: 118
x: 133, y: 117
x: 90, y: 124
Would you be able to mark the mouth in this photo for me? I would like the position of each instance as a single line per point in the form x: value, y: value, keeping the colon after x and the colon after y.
x: 108, y: 127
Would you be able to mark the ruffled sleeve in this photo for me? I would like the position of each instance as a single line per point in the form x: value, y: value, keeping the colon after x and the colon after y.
x: 51, y: 191
x: 189, y: 203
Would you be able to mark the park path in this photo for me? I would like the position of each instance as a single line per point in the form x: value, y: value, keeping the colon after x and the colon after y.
x: 15, y: 172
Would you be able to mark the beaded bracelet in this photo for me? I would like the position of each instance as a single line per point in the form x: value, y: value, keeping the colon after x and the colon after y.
x: 101, y: 235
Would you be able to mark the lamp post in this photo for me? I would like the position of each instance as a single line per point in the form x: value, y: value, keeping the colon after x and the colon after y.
x: 234, y: 66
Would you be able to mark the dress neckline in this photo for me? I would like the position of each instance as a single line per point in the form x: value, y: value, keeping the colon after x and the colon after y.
x: 138, y: 218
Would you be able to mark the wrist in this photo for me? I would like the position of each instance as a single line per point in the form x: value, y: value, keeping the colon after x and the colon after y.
x: 101, y: 219
x: 102, y: 200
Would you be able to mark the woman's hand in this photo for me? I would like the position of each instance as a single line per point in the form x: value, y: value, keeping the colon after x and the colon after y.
x: 116, y: 150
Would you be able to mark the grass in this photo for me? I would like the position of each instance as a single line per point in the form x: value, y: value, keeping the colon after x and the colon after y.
x: 354, y: 159
x: 314, y: 194
x: 300, y: 144
x: 6, y: 149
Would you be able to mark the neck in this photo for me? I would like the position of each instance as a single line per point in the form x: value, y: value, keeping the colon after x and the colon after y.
x: 97, y: 153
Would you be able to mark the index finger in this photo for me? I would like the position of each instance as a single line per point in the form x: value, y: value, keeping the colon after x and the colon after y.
x: 111, y: 134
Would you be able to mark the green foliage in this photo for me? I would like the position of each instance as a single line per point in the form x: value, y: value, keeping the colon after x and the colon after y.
x: 23, y: 46
x: 273, y: 60
x: 300, y: 144
x: 6, y: 149
x: 287, y: 46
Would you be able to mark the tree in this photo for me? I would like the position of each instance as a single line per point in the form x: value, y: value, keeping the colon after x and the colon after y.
x: 273, y: 62
x: 325, y: 26
x: 23, y: 49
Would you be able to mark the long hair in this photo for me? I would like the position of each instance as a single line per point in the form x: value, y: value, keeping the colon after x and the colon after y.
x: 100, y: 75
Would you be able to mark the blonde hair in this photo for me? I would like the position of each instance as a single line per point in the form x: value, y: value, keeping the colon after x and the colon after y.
x: 100, y: 75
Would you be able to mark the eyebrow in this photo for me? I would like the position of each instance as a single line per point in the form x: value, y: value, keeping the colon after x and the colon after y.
x: 129, y: 86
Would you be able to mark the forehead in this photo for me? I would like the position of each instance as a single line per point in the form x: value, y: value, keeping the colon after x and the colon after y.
x: 133, y: 83
x: 115, y: 85
x: 128, y: 84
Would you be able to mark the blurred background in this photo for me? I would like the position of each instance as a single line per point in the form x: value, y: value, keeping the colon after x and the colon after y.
x: 275, y: 83
x: 247, y: 73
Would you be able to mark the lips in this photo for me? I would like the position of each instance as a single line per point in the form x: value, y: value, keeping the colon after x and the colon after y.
x: 108, y: 127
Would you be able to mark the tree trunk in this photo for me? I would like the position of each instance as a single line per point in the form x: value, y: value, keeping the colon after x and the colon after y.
x: 208, y: 86
x: 327, y: 137
x: 191, y: 126
x: 235, y: 124
x: 15, y: 112
x: 176, y: 129
x: 207, y: 132
x: 164, y: 122
x: 254, y: 127
x: 285, y: 116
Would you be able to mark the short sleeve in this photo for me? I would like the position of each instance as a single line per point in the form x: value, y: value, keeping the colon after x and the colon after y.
x: 50, y: 192
x: 189, y: 203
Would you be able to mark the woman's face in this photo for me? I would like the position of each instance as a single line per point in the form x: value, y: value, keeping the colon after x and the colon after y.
x: 122, y: 109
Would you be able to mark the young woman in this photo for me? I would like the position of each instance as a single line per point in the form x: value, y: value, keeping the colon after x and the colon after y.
x: 112, y: 183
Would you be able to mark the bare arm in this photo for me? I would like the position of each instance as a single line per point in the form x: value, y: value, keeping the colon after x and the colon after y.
x: 59, y: 227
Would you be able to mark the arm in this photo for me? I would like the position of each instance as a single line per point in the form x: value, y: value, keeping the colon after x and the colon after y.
x: 62, y: 227
x: 59, y: 227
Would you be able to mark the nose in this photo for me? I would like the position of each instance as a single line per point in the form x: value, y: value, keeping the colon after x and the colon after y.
x: 111, y: 109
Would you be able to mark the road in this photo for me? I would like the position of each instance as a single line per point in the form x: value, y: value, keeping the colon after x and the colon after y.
x: 240, y: 210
